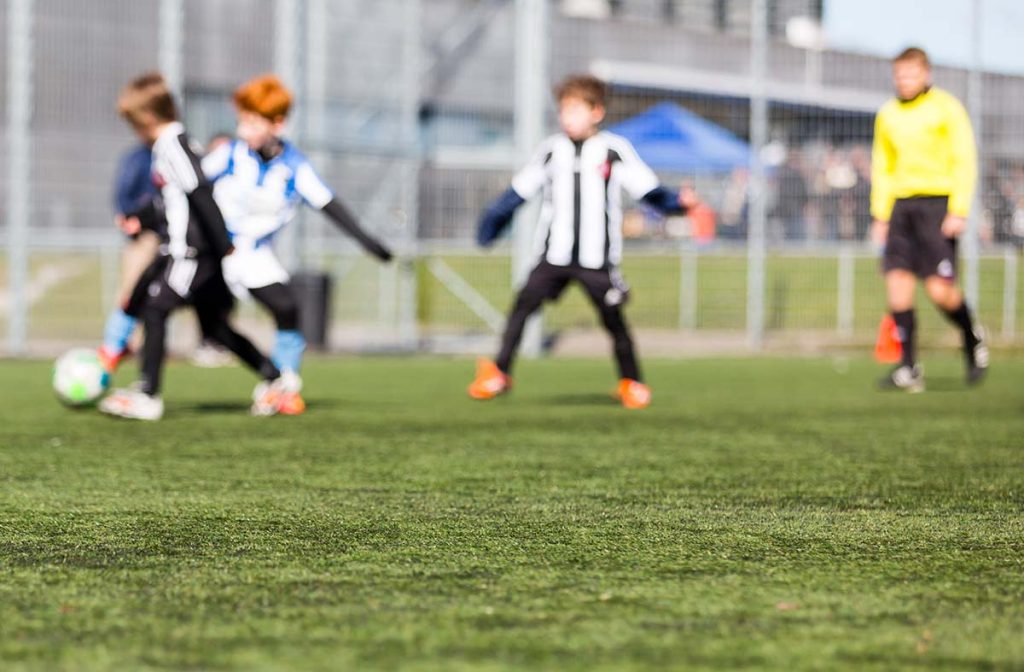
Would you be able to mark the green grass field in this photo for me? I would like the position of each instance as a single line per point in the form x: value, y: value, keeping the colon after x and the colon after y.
x: 762, y: 514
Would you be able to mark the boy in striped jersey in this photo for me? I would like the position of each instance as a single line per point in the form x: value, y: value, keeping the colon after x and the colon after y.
x: 188, y: 270
x: 581, y: 173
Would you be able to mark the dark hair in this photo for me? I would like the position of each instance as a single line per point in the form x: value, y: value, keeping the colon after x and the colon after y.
x: 588, y: 88
x: 147, y: 96
x: 913, y: 54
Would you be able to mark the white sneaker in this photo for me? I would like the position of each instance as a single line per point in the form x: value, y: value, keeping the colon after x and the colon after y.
x: 132, y: 404
x: 907, y: 378
x: 291, y: 381
x: 266, y: 397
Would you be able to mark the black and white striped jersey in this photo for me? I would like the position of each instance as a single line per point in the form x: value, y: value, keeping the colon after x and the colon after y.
x: 582, y: 183
x: 195, y: 226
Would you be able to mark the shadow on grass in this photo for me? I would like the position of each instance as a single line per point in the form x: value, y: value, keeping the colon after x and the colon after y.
x: 946, y: 385
x: 582, y: 399
x: 243, y: 405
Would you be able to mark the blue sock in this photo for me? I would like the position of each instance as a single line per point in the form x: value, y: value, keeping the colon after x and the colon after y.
x: 118, y: 331
x: 288, y: 348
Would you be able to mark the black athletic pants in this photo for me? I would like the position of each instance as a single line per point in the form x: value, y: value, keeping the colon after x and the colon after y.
x: 280, y: 300
x: 199, y: 283
x: 607, y: 292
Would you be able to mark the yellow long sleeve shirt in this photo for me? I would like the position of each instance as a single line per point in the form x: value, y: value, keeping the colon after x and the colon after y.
x: 923, y: 147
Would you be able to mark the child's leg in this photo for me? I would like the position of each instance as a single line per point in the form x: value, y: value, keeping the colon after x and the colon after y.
x: 213, y: 306
x: 289, y: 343
x: 608, y: 293
x: 154, y: 346
x: 122, y: 320
x: 545, y: 282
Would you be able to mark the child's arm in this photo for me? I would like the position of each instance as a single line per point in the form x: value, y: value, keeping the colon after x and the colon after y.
x: 642, y: 184
x: 217, y: 163
x: 497, y: 217
x: 318, y: 195
x: 346, y: 221
x: 186, y: 170
x: 671, y: 201
x: 525, y: 185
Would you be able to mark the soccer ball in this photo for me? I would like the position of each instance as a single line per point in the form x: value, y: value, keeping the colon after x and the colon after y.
x: 79, y: 378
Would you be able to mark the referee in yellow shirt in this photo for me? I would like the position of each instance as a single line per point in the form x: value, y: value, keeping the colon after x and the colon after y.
x: 924, y: 170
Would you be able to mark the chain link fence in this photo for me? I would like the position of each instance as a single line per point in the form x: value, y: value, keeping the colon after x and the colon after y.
x: 419, y: 111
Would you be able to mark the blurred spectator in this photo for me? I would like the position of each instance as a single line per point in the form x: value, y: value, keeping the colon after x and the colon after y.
x: 733, y: 222
x: 790, y: 210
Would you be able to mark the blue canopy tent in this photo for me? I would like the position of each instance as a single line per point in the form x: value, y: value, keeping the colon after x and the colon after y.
x: 673, y: 139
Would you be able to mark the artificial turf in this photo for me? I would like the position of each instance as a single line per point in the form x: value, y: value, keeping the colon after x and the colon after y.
x: 762, y: 514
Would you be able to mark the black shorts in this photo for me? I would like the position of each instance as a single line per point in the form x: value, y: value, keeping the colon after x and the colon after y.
x: 916, y: 242
x: 197, y: 282
x: 604, y: 286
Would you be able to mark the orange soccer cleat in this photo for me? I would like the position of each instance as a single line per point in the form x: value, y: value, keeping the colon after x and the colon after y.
x: 490, y: 381
x: 291, y: 403
x: 634, y: 394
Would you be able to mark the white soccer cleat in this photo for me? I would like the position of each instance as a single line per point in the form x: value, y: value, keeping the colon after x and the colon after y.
x: 977, y: 358
x: 266, y: 397
x: 133, y: 405
x: 906, y: 378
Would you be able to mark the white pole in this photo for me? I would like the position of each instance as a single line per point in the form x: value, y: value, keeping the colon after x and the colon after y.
x: 845, y: 300
x: 172, y: 45
x: 531, y: 80
x: 317, y: 27
x: 758, y: 195
x: 688, y: 279
x: 975, y: 106
x: 412, y: 59
x: 1010, y: 293
x: 288, y: 65
x: 19, y: 166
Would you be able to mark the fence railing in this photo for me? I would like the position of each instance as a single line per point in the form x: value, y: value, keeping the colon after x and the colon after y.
x: 451, y: 296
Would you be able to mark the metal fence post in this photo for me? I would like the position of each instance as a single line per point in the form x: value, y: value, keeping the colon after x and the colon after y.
x: 1010, y: 293
x: 756, y: 249
x: 408, y: 331
x: 172, y: 45
x: 290, y: 67
x: 317, y: 35
x: 531, y: 77
x: 975, y: 105
x: 19, y: 166
x: 688, y: 287
x: 847, y: 289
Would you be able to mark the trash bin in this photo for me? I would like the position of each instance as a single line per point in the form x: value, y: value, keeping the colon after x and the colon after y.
x: 313, y: 293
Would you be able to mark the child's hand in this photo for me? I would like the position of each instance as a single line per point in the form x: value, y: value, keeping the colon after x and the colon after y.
x: 129, y: 225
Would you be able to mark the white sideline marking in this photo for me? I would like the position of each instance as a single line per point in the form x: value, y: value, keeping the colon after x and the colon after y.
x: 45, y: 279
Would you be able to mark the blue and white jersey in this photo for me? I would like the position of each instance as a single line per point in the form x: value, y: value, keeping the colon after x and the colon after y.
x: 258, y: 198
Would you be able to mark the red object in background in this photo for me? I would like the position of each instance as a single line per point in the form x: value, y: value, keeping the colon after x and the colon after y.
x: 888, y: 349
x: 702, y: 219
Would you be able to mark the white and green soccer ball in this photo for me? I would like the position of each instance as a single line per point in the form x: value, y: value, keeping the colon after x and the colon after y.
x: 79, y: 378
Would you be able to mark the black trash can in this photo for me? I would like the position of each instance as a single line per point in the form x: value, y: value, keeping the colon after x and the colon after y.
x: 313, y: 293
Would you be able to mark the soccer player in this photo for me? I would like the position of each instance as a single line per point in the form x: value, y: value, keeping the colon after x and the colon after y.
x: 924, y: 170
x: 188, y: 271
x: 259, y: 181
x: 581, y: 173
